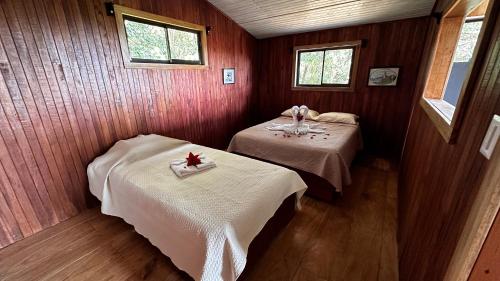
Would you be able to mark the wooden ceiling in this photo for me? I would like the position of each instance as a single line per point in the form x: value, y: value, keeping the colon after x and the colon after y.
x: 270, y: 18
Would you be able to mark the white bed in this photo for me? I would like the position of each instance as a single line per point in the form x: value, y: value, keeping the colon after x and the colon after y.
x: 205, y: 222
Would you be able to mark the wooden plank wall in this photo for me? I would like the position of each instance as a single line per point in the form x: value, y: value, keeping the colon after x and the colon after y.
x: 438, y: 181
x: 384, y: 111
x: 65, y: 98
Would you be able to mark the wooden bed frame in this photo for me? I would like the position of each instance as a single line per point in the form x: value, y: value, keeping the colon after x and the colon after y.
x: 318, y: 187
x: 273, y: 227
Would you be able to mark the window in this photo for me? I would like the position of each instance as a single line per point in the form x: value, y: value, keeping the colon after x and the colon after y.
x: 459, y: 38
x: 152, y: 41
x: 330, y: 67
x: 461, y: 59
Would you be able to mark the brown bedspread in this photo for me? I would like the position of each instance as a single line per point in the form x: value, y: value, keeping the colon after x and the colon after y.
x: 327, y: 155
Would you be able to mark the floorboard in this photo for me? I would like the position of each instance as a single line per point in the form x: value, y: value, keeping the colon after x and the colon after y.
x: 352, y: 238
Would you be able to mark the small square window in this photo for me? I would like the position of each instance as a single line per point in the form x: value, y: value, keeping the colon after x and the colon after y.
x: 326, y: 67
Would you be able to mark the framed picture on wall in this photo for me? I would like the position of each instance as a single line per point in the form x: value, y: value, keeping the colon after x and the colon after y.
x: 383, y: 76
x: 228, y: 75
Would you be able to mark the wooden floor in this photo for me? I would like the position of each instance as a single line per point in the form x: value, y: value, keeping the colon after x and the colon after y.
x: 353, y: 238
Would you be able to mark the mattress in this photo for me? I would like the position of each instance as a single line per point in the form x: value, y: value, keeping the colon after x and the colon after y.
x: 205, y: 222
x: 327, y: 155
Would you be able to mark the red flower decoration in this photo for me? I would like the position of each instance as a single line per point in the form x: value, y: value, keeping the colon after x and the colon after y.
x: 300, y: 117
x: 193, y: 160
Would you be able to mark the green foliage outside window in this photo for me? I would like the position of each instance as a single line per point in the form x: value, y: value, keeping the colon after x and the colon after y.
x: 311, y: 66
x: 467, y: 41
x: 146, y: 41
x: 337, y: 66
x: 183, y: 45
x: 325, y: 67
x: 150, y: 42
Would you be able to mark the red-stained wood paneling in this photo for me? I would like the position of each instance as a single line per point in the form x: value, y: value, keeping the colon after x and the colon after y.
x: 439, y: 181
x: 384, y: 111
x: 65, y: 98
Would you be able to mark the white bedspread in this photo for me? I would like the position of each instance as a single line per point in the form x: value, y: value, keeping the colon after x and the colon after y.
x: 204, y: 223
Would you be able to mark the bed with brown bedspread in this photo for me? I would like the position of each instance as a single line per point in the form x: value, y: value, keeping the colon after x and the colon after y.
x: 328, y: 155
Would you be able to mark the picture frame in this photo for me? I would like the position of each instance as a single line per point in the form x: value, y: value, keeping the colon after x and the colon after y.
x: 228, y: 75
x: 383, y: 76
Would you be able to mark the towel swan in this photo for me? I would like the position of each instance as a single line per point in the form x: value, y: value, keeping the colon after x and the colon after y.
x: 299, y: 115
x: 298, y: 127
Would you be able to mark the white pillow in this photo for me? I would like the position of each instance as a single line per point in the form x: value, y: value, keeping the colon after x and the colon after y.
x: 311, y: 114
x: 337, y: 117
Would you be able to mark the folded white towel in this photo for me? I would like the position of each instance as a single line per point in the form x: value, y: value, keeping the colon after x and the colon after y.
x: 181, y: 169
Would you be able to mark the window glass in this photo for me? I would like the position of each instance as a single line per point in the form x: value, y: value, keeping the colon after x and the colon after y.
x: 310, y: 67
x: 451, y: 77
x: 327, y: 67
x: 154, y: 41
x: 146, y: 41
x: 462, y: 59
x: 467, y: 40
x: 161, y: 43
x: 337, y: 67
x: 183, y: 45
